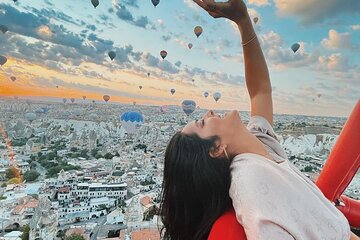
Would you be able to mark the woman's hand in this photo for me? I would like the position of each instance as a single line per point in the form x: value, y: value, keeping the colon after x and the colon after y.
x: 234, y: 10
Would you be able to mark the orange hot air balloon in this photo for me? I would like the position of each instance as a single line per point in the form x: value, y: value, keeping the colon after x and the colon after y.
x: 106, y: 98
x: 198, y: 31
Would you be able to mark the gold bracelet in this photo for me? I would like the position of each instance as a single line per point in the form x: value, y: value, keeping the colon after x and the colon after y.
x: 252, y: 39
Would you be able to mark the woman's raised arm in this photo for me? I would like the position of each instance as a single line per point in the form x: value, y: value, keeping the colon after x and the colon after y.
x: 256, y: 71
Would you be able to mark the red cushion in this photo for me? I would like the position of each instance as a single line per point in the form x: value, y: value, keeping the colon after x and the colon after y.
x: 226, y: 227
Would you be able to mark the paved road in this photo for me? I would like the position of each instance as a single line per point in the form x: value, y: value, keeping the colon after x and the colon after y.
x: 97, y: 228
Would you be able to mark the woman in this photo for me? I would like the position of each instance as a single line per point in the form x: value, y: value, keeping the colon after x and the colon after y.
x: 271, y: 198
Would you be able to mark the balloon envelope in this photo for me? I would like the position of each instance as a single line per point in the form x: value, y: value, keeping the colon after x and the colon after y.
x: 206, y: 94
x: 155, y: 2
x: 112, y: 55
x: 64, y: 100
x: 163, y: 54
x: 164, y: 109
x: 106, y: 98
x: 172, y: 91
x: 295, y: 47
x: 190, y: 45
x: 198, y: 31
x: 217, y: 96
x: 131, y: 121
x: 188, y: 106
x: 256, y: 19
x: 13, y: 78
x: 140, y: 87
x: 95, y: 3
x: 30, y: 116
x: 3, y: 29
x: 3, y: 60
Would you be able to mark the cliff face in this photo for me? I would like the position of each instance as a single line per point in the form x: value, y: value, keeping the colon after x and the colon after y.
x: 319, y: 144
x: 44, y: 223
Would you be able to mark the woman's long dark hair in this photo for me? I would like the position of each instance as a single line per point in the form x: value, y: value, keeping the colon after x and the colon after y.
x: 195, y: 188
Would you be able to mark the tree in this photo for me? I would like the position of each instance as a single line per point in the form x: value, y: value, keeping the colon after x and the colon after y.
x: 308, y: 169
x: 12, y: 172
x: 84, y: 153
x: 25, y: 234
x: 32, y: 158
x: 31, y: 175
x: 75, y: 237
x: 73, y: 149
x: 94, y: 152
x: 108, y: 156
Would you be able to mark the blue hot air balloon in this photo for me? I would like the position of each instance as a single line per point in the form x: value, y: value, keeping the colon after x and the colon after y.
x: 206, y: 94
x: 295, y: 47
x: 131, y: 121
x: 155, y: 2
x: 217, y: 96
x: 188, y: 107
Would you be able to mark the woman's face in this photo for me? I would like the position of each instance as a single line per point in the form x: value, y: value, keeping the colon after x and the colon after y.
x: 213, y: 125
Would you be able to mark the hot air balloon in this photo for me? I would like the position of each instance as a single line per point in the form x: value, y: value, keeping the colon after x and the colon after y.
x: 13, y: 78
x: 30, y: 116
x: 140, y: 87
x: 295, y: 47
x: 193, y: 81
x: 45, y: 109
x: 319, y: 95
x: 93, y: 101
x: 198, y: 31
x: 64, y: 100
x: 155, y: 2
x: 206, y: 94
x: 72, y: 100
x: 84, y: 97
x: 256, y: 19
x: 148, y: 74
x: 95, y: 3
x: 163, y: 54
x: 3, y: 60
x: 134, y: 103
x: 188, y: 106
x: 164, y: 109
x: 172, y: 91
x: 3, y: 29
x: 57, y: 86
x: 106, y: 98
x: 112, y: 55
x: 131, y: 121
x: 217, y: 96
x: 190, y: 45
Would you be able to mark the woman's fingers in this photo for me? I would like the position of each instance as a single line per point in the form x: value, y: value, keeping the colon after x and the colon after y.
x: 217, y: 6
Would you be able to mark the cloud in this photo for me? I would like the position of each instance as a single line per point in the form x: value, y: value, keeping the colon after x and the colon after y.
x: 311, y: 11
x: 280, y: 56
x: 334, y: 62
x: 124, y: 14
x: 337, y: 40
x: 259, y: 3
x: 355, y: 27
x: 191, y: 4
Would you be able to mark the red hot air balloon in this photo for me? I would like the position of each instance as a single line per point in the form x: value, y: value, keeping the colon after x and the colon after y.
x: 163, y: 54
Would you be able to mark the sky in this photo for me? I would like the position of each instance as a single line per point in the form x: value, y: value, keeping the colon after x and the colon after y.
x: 59, y: 49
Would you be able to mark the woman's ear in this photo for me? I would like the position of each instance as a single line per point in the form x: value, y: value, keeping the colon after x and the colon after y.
x: 218, y: 151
